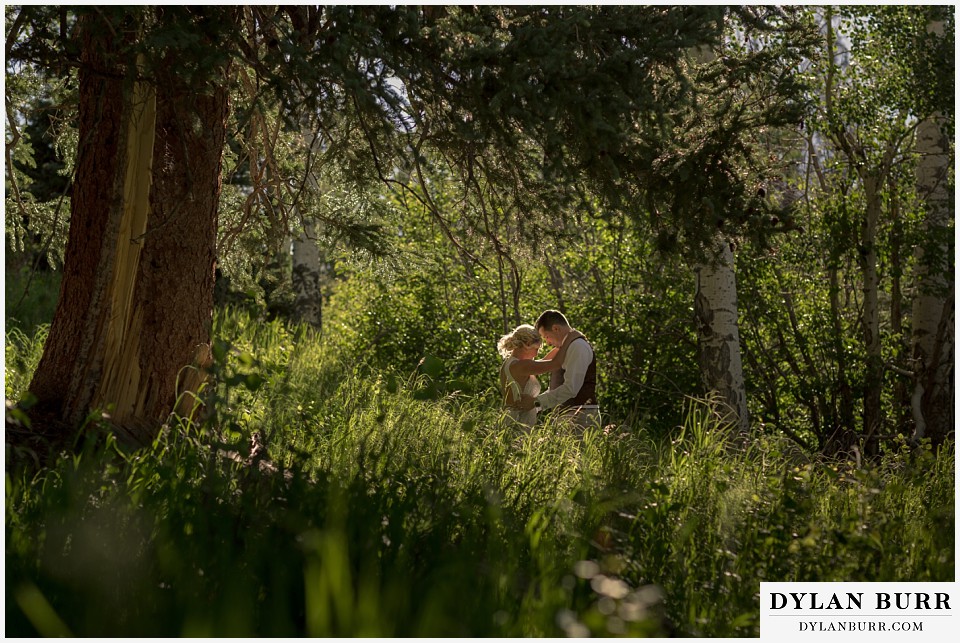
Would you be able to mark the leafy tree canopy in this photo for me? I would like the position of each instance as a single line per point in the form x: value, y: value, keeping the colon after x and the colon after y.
x: 602, y: 110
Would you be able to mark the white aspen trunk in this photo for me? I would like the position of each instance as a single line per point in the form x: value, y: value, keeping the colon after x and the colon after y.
x: 717, y: 319
x: 308, y: 302
x: 307, y: 267
x: 715, y: 308
x: 933, y: 306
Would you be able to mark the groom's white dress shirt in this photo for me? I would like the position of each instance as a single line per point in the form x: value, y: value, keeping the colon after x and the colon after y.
x: 579, y: 356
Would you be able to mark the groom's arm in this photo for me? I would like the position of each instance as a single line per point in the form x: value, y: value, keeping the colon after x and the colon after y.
x: 579, y: 356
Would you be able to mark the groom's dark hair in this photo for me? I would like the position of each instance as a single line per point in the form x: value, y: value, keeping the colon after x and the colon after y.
x: 550, y: 318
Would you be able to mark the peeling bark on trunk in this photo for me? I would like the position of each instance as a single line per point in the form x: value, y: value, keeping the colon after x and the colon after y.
x: 137, y: 293
x: 933, y: 307
x: 715, y: 307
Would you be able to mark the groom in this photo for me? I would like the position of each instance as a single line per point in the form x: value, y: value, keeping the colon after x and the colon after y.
x: 573, y: 388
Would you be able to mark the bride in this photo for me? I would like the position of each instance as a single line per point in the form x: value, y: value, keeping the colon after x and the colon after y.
x: 518, y: 373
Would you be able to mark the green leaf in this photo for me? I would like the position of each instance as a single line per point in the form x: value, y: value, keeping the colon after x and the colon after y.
x: 432, y: 366
x: 253, y: 381
x: 392, y: 384
x: 220, y: 350
x: 428, y: 392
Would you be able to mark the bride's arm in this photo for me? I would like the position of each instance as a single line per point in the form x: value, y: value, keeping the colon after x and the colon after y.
x: 552, y: 361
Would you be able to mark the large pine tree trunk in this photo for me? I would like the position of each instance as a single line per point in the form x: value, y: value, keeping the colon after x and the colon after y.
x: 715, y: 307
x: 176, y: 272
x: 933, y: 307
x: 136, y: 296
x: 110, y: 126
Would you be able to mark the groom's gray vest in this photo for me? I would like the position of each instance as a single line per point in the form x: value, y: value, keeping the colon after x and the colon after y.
x: 588, y: 391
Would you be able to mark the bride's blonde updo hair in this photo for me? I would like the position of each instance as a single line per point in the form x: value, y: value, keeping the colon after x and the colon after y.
x: 521, y: 336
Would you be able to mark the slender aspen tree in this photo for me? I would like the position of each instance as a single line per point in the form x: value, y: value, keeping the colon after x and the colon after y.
x: 933, y: 307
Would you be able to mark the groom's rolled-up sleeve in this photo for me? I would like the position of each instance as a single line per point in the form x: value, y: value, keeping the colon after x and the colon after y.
x: 579, y: 356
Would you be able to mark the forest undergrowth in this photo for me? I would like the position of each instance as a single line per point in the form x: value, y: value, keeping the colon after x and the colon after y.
x: 386, y: 504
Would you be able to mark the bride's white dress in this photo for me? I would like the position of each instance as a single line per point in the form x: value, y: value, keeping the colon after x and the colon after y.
x: 530, y: 387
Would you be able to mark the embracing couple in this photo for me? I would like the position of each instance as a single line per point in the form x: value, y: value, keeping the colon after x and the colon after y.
x: 572, y: 366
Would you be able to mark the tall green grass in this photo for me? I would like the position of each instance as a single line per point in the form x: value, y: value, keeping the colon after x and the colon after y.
x: 393, y: 506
